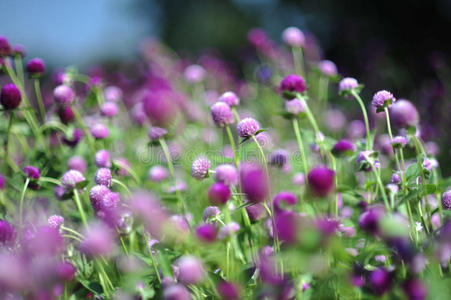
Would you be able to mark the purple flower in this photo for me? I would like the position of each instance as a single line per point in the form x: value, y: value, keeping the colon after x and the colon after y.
x: 19, y: 50
x: 77, y: 135
x: 77, y: 163
x: 109, y: 109
x: 210, y: 212
x: 221, y: 114
x: 247, y: 127
x: 366, y: 159
x: 156, y: 133
x: 293, y: 37
x: 294, y: 106
x: 102, y: 159
x: 415, y: 289
x: 399, y: 141
x: 395, y: 178
x: 5, y: 47
x: 380, y: 281
x: 98, y: 241
x: 254, y: 182
x: 7, y: 233
x: 404, y: 114
x: 343, y: 147
x: 383, y: 99
x: 112, y: 94
x: 176, y: 292
x: 229, y: 290
x: 103, y: 177
x: 160, y: 107
x: 256, y: 212
x: 347, y: 84
x: 327, y: 67
x: 219, y: 193
x: 66, y: 271
x: 279, y: 158
x: 283, y: 199
x: 10, y: 96
x: 66, y: 114
x: 230, y: 98
x: 200, y: 167
x: 55, y: 221
x: 287, y: 226
x: 63, y: 94
x: 226, y: 174
x: 291, y: 85
x: 228, y: 229
x: 369, y: 220
x: 206, y: 232
x: 32, y: 172
x: 109, y: 201
x: 158, y: 173
x: 194, y: 73
x: 299, y: 179
x: 99, y: 131
x: 46, y: 241
x: 191, y: 269
x: 446, y: 200
x: 321, y: 181
x: 334, y: 120
x: 96, y: 195
x: 35, y: 67
x: 71, y: 178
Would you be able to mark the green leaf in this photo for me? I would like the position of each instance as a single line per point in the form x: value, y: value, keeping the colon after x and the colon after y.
x: 428, y: 189
x: 412, y: 172
x: 81, y: 184
x: 93, y: 286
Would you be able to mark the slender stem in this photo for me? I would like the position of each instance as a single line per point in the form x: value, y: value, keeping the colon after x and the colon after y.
x: 49, y: 179
x: 84, y: 128
x: 300, y: 144
x: 37, y: 89
x: 80, y: 208
x: 122, y: 185
x: 381, y: 186
x: 369, y: 142
x: 22, y: 196
x: 8, y: 138
x: 72, y: 231
x: 154, y: 262
x: 232, y: 144
x: 235, y: 113
x: 310, y: 116
x: 298, y: 60
x: 19, y: 68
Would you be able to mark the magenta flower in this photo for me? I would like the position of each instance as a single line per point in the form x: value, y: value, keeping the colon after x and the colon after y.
x: 343, y: 147
x: 109, y: 109
x: 347, y: 84
x: 247, y: 127
x: 206, y: 232
x: 321, y: 181
x: 63, y: 95
x: 221, y: 114
x: 103, y: 177
x: 404, y: 114
x: 77, y: 163
x: 283, y: 199
x: 96, y: 195
x: 158, y: 173
x: 254, y: 182
x: 219, y: 193
x: 176, y: 292
x: 229, y: 290
x: 294, y: 107
x: 32, y: 172
x: 102, y: 159
x: 327, y: 67
x: 210, y: 212
x: 66, y: 114
x: 5, y: 47
x: 291, y: 85
x: 10, y: 96
x: 55, y: 221
x: 200, y: 167
x: 98, y: 241
x: 112, y: 94
x: 35, y: 67
x: 446, y: 200
x: 383, y: 99
x: 194, y: 74
x: 7, y: 233
x: 191, y: 269
x: 156, y: 133
x: 230, y: 98
x: 293, y: 37
x: 226, y: 174
x: 99, y: 131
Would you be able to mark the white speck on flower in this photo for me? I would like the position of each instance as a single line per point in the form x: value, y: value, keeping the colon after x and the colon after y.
x: 418, y: 226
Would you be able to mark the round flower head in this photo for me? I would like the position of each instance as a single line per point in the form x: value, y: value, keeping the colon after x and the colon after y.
x: 399, y: 141
x: 229, y: 290
x: 5, y: 47
x: 226, y: 174
x: 156, y: 133
x: 112, y: 94
x: 194, y: 73
x: 109, y: 201
x: 96, y: 195
x: 176, y: 292
x: 10, y: 96
x: 369, y: 220
x: 109, y: 109
x: 279, y: 158
x: 343, y: 147
x: 380, y: 281
x: 32, y: 172
x: 210, y: 212
x: 71, y: 178
x: 221, y: 114
x: 254, y: 182
x: 356, y: 129
x: 160, y: 107
x: 230, y: 98
x: 206, y: 232
x: 200, y: 167
x: 228, y: 229
x: 99, y: 131
x: 404, y: 114
x: 219, y: 193
x: 415, y: 289
x: 103, y: 177
x: 77, y: 163
x: 383, y: 99
x: 55, y: 221
x: 291, y: 85
x: 7, y: 233
x: 327, y: 67
x: 98, y: 241
x: 35, y: 67
x: 66, y: 271
x: 446, y: 200
x: 293, y: 37
x: 282, y: 199
x: 19, y: 50
x: 66, y: 114
x: 191, y: 269
x: 247, y: 127
x: 158, y: 173
x: 321, y: 181
x: 294, y: 106
x: 299, y: 179
x: 63, y: 94
x: 286, y: 226
x: 395, y: 178
x: 256, y: 212
x: 347, y: 84
x: 102, y: 159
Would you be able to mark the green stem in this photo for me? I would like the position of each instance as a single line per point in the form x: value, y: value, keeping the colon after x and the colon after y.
x: 122, y: 185
x: 381, y: 186
x: 19, y: 68
x: 37, y: 89
x: 22, y: 196
x: 300, y: 144
x: 8, y: 138
x: 84, y: 129
x: 80, y: 208
x: 232, y: 144
x: 235, y: 113
x: 298, y: 60
x: 71, y: 231
x: 369, y: 142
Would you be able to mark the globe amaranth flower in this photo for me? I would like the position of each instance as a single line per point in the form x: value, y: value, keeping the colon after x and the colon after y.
x: 156, y: 133
x: 98, y: 241
x: 294, y: 106
x: 32, y: 172
x: 229, y: 290
x: 369, y: 220
x: 287, y: 226
x: 19, y: 50
x: 256, y: 212
x: 10, y: 96
x: 228, y: 229
x: 191, y: 269
x: 194, y: 74
x: 176, y: 292
x: 403, y: 114
x: 366, y: 159
x: 279, y: 158
x: 63, y: 95
x: 160, y: 107
x: 5, y: 47
x: 226, y: 174
x: 200, y: 167
x: 66, y: 114
x: 415, y: 289
x: 158, y: 173
x: 383, y: 99
x: 446, y: 200
x: 219, y: 193
x: 77, y: 163
x: 99, y: 131
x: 347, y: 84
x: 71, y: 179
x: 35, y: 67
x: 103, y: 177
x: 299, y: 179
x: 327, y: 67
x: 230, y: 98
x: 112, y: 93
x: 102, y: 159
x: 380, y: 280
x: 293, y: 37
x: 96, y: 195
x: 321, y: 181
x: 283, y: 199
x: 109, y: 109
x: 2, y: 182
x: 7, y: 233
x: 247, y: 127
x: 343, y: 147
x: 221, y: 114
x: 55, y: 221
x: 399, y: 141
x: 66, y: 271
x: 396, y: 178
x: 291, y: 85
x: 254, y: 182
x: 210, y: 212
x: 206, y: 232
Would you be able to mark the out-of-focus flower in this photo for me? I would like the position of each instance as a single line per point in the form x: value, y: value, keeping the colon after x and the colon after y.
x: 191, y: 269
x: 219, y: 193
x: 254, y: 182
x: 404, y: 114
x: 321, y: 181
x: 291, y: 85
x: 200, y: 167
x: 71, y: 179
x: 103, y: 177
x: 226, y: 174
x: 10, y: 96
x: 383, y: 99
x: 35, y: 67
x: 98, y: 241
x: 247, y: 127
x: 221, y: 114
x: 63, y: 95
x: 327, y: 67
x: 293, y: 37
x: 230, y: 98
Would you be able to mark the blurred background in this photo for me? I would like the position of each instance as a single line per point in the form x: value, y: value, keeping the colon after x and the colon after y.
x: 396, y: 45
